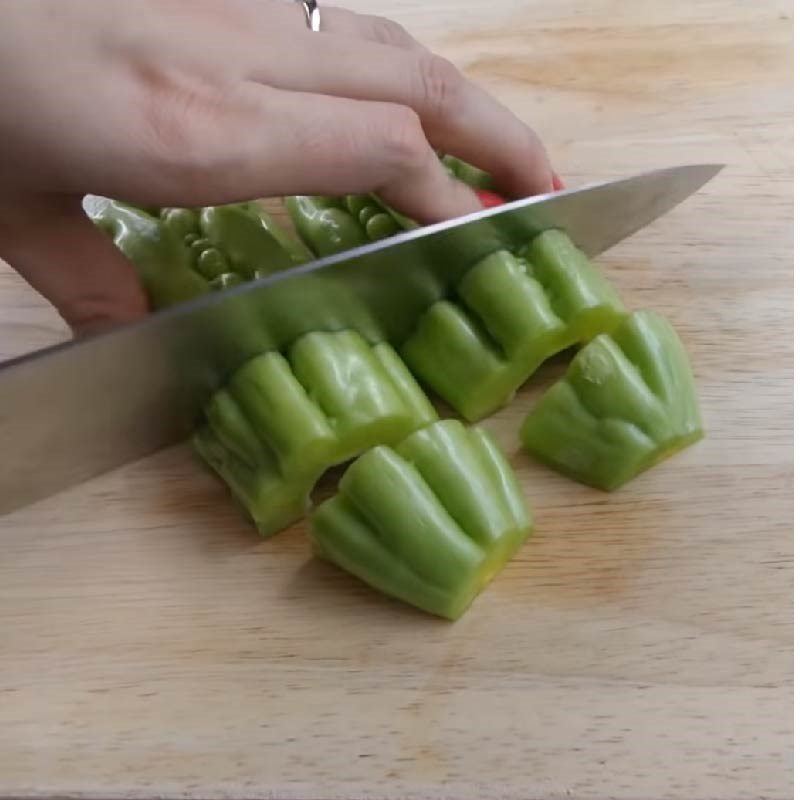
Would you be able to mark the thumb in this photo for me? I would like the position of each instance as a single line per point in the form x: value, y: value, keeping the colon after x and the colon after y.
x: 63, y: 256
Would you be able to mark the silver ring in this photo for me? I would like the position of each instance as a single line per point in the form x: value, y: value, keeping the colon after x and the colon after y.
x: 313, y: 17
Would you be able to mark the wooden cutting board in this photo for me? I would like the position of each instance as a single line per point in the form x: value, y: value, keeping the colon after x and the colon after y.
x: 640, y: 644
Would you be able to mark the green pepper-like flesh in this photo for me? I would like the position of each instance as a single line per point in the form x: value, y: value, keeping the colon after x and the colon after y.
x: 228, y: 443
x: 430, y: 522
x: 509, y: 315
x: 164, y: 264
x: 288, y: 418
x: 627, y: 402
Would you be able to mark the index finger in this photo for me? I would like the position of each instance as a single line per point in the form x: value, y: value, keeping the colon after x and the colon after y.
x: 457, y: 115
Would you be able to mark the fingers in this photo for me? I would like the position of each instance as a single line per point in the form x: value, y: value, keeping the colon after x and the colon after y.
x: 370, y: 28
x: 457, y: 115
x: 61, y: 254
x: 303, y: 143
x: 265, y: 14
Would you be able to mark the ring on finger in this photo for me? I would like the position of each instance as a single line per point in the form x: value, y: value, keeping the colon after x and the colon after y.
x: 313, y: 16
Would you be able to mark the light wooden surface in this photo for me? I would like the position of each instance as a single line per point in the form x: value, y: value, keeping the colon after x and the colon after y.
x: 639, y: 646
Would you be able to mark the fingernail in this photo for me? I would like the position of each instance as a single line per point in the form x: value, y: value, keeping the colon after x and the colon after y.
x: 489, y: 199
x: 558, y: 184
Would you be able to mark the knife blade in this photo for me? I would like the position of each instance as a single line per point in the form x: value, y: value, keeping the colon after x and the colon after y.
x: 75, y: 410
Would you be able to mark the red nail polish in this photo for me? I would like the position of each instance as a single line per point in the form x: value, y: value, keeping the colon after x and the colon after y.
x: 558, y: 184
x: 489, y: 199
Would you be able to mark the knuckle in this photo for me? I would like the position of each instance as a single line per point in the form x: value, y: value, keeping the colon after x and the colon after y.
x: 175, y: 125
x: 442, y: 86
x: 89, y: 312
x: 175, y: 149
x: 387, y: 31
x: 406, y: 146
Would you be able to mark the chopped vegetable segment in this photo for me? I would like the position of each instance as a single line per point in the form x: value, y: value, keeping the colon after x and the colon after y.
x: 430, y: 522
x: 181, y: 253
x: 229, y: 444
x: 162, y: 260
x: 329, y: 225
x: 283, y: 420
x: 430, y: 510
x: 509, y: 316
x: 578, y: 291
x: 627, y: 402
x: 341, y: 373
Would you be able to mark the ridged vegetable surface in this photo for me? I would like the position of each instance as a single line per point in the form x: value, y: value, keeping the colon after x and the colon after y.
x: 509, y: 314
x: 282, y: 420
x: 430, y: 521
x: 627, y: 402
x: 181, y: 253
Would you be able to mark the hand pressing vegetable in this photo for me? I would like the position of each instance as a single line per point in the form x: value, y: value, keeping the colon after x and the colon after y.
x: 229, y: 444
x: 628, y: 401
x: 329, y: 225
x: 509, y: 314
x: 467, y: 173
x: 483, y: 183
x: 283, y: 420
x: 429, y: 522
x: 180, y: 253
x: 160, y: 104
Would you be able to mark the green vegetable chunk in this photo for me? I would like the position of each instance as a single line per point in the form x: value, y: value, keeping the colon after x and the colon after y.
x: 430, y: 522
x: 230, y: 446
x: 157, y: 251
x: 358, y: 396
x: 181, y: 253
x: 627, y: 402
x: 510, y: 314
x: 283, y: 420
x: 329, y: 225
x: 251, y: 241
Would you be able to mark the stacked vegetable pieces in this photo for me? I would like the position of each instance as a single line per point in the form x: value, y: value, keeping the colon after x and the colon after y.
x: 430, y: 510
x: 510, y: 314
x: 282, y: 421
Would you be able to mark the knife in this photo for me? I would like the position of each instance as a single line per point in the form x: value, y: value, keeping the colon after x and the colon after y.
x: 75, y: 410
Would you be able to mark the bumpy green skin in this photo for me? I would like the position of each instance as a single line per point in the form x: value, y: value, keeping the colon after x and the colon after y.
x: 509, y: 315
x: 252, y: 243
x: 283, y: 420
x: 430, y: 522
x: 181, y: 253
x: 330, y: 225
x: 164, y: 264
x: 627, y: 402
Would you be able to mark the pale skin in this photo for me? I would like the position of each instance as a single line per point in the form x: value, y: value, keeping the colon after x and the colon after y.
x: 204, y: 102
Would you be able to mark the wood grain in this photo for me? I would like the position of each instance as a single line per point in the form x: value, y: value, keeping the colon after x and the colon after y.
x: 639, y: 646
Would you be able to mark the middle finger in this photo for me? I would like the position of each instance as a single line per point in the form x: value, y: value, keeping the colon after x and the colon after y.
x: 457, y: 116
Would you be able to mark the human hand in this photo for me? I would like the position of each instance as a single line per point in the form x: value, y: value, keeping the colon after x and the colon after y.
x: 205, y: 102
